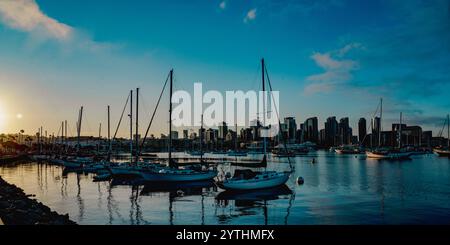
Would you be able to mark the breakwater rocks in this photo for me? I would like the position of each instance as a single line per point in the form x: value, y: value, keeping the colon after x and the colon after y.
x: 16, y: 208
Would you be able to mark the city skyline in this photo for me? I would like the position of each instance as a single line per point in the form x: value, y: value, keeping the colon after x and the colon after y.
x: 339, y: 63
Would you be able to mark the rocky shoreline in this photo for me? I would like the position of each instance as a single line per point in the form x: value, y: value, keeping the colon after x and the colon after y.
x: 16, y: 208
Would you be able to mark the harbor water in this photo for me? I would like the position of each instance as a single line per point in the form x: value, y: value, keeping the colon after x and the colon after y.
x: 338, y: 189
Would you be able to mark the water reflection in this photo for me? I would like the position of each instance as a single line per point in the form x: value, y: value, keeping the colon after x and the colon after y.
x: 337, y: 190
x: 247, y: 201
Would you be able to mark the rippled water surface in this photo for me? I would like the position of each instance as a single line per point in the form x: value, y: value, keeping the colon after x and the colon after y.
x: 338, y: 189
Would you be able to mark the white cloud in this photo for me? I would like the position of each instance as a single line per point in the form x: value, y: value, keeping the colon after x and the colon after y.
x: 251, y: 15
x: 337, y: 71
x: 223, y: 4
x: 25, y: 15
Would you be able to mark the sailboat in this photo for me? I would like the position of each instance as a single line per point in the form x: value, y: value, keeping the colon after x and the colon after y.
x: 388, y: 154
x: 173, y: 173
x: 236, y: 152
x: 245, y: 180
x: 442, y: 151
x: 78, y: 161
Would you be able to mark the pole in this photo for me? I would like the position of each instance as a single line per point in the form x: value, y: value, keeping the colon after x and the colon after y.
x: 381, y: 118
x: 170, y: 118
x: 131, y: 126
x: 264, y: 102
x: 109, y: 134
x: 400, y: 133
x: 137, y: 124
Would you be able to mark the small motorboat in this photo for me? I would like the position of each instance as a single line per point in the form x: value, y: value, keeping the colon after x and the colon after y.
x: 251, y: 180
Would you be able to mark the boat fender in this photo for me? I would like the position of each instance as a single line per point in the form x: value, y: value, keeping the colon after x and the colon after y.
x: 300, y: 180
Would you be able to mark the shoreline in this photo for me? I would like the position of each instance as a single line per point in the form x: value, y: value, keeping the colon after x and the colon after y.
x: 17, y: 208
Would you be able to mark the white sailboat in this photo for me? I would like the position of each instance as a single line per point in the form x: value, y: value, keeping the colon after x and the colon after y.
x: 173, y: 173
x: 245, y: 180
x: 388, y: 154
x: 442, y: 151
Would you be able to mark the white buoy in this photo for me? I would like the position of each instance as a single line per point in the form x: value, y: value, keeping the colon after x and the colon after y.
x: 300, y: 180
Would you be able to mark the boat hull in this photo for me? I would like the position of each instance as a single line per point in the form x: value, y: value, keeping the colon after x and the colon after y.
x: 388, y: 156
x: 278, y: 180
x: 442, y: 153
x: 153, y: 176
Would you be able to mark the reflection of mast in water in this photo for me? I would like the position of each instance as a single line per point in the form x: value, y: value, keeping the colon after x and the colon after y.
x: 247, y: 201
x: 171, y: 199
x: 112, y: 207
x: 203, y: 209
x: 135, y: 218
x: 80, y: 200
x: 288, y: 211
x: 265, y: 212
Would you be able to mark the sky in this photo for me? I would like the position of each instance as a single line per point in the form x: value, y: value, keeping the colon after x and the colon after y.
x: 326, y: 57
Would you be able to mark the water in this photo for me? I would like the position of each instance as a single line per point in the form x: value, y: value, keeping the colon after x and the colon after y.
x: 338, y: 189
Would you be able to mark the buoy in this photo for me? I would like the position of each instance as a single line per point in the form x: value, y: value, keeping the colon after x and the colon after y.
x: 300, y: 181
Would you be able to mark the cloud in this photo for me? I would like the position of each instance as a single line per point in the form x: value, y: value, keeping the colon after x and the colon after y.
x: 251, y: 15
x: 25, y: 15
x: 337, y: 70
x: 223, y: 5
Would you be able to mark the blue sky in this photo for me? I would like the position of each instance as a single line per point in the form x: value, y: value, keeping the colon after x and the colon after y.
x: 326, y: 57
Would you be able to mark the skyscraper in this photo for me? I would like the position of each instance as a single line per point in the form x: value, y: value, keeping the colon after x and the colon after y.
x: 376, y: 130
x: 311, y: 130
x: 331, y: 130
x: 344, y: 131
x: 362, y: 130
x: 223, y: 130
x: 291, y: 128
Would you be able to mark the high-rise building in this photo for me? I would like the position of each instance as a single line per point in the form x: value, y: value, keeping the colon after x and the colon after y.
x: 291, y: 128
x: 376, y: 131
x: 362, y: 130
x: 344, y: 131
x: 331, y: 131
x: 223, y: 130
x: 311, y: 130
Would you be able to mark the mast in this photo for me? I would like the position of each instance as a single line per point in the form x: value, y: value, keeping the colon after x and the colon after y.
x: 65, y: 132
x: 448, y: 130
x: 131, y: 126
x: 170, y: 118
x: 381, y: 118
x: 400, y: 133
x: 137, y: 125
x: 79, y: 128
x: 201, y: 141
x: 99, y: 137
x: 109, y: 135
x: 264, y: 101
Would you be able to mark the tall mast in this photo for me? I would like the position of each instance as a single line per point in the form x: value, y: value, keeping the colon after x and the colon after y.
x: 79, y: 128
x: 400, y: 133
x: 137, y: 125
x: 264, y: 101
x: 99, y: 137
x: 65, y: 132
x: 131, y: 126
x: 62, y: 132
x: 381, y: 118
x: 170, y: 118
x: 109, y: 134
x: 201, y: 141
x: 448, y: 130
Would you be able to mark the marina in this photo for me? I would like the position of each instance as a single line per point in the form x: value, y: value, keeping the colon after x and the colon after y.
x: 337, y: 189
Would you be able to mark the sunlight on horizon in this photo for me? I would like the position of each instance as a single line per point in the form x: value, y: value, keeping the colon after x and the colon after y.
x: 2, y: 119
